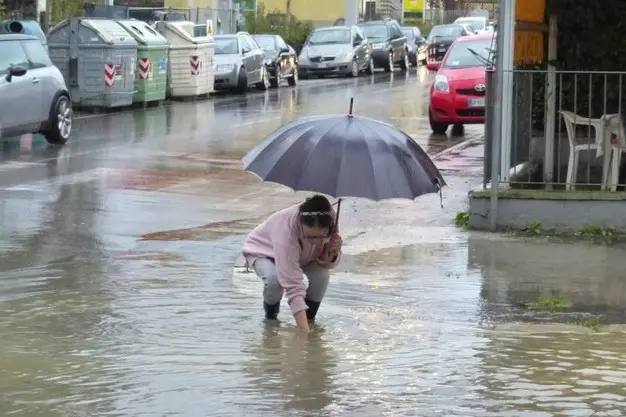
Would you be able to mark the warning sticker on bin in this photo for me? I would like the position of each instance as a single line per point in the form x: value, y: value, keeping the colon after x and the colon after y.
x: 196, y: 64
x: 145, y: 69
x: 109, y: 75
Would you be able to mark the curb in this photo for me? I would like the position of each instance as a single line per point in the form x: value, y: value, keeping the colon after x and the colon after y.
x: 457, y: 147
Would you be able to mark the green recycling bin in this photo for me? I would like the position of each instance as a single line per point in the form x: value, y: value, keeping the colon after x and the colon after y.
x: 151, y: 70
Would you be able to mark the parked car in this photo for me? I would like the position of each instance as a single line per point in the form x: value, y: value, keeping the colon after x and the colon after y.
x: 239, y: 63
x: 389, y: 45
x: 469, y: 29
x: 480, y: 24
x: 416, y: 44
x: 281, y: 60
x: 336, y: 50
x: 439, y: 40
x: 33, y: 94
x: 457, y: 95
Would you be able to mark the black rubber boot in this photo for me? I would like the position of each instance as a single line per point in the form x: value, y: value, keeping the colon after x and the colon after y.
x: 271, y: 311
x: 313, y: 307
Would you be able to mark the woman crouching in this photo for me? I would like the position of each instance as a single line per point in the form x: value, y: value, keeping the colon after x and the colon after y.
x: 293, y: 242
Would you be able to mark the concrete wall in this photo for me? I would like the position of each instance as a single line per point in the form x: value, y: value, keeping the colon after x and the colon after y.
x: 317, y: 11
x: 558, y: 211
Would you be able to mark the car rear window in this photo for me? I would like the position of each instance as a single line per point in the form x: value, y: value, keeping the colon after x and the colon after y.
x: 12, y: 53
x: 448, y: 31
x: 375, y: 31
x: 470, y: 54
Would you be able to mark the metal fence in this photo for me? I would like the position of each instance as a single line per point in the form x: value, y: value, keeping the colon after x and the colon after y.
x: 567, y: 131
x: 225, y: 20
x: 440, y: 16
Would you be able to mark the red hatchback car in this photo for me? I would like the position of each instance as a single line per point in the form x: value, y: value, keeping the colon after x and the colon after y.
x: 457, y: 96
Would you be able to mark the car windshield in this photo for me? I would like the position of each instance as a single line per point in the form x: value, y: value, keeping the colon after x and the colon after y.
x: 266, y: 42
x: 330, y: 36
x: 224, y: 46
x: 447, y: 31
x: 470, y: 54
x: 408, y: 33
x: 11, y: 54
x: 375, y: 31
x: 478, y: 24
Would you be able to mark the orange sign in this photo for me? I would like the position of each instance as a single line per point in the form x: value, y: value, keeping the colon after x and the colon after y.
x: 530, y: 10
x: 528, y: 47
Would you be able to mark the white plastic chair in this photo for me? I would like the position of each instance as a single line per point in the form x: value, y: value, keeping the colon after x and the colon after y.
x: 615, y: 126
x: 571, y: 121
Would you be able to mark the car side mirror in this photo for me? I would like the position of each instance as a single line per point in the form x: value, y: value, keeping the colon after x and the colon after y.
x: 245, y: 50
x: 284, y: 50
x: 15, y: 71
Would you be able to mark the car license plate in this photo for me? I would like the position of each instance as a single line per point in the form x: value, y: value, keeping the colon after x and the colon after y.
x: 476, y: 102
x: 321, y: 65
x: 441, y: 50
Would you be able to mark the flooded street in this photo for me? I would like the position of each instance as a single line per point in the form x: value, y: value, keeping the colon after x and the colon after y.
x: 120, y: 298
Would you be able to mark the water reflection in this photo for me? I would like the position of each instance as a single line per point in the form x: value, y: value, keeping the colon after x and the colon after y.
x: 516, y: 272
x: 293, y: 370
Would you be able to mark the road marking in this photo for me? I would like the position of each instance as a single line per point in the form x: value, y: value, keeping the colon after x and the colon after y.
x: 70, y: 179
x: 13, y: 165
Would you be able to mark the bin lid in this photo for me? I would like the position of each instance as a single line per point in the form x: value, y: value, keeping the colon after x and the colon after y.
x: 143, y: 33
x: 185, y: 30
x: 110, y: 31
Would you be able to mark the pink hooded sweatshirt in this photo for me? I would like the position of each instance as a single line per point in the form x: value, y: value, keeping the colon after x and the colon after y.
x: 280, y: 237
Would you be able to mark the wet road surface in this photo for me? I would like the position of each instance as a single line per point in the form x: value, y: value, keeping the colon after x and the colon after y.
x: 118, y: 295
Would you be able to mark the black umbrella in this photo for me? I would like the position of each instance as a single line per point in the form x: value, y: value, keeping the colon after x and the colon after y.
x: 345, y: 156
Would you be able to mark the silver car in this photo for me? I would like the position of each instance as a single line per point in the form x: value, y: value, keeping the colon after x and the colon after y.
x: 239, y: 63
x: 336, y: 50
x: 33, y: 94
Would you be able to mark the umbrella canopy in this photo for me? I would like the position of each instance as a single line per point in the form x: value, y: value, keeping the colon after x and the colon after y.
x: 345, y: 156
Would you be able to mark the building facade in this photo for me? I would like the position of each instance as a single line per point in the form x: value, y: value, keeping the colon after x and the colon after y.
x: 389, y: 8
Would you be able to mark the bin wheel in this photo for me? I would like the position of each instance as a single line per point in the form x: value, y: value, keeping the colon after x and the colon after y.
x: 293, y: 79
x: 59, y: 127
x: 242, y: 81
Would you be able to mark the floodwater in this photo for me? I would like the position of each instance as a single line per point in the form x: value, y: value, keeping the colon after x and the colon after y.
x: 119, y: 297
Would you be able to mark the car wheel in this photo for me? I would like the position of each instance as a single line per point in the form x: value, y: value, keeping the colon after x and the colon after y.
x: 370, y: 66
x: 242, y: 81
x: 354, y: 68
x: 404, y: 65
x: 264, y: 84
x: 437, y: 128
x: 389, y: 67
x: 60, y: 123
x: 458, y: 130
x: 274, y: 82
x: 293, y: 80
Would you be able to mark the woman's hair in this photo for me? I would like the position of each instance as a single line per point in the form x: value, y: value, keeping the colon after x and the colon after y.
x: 316, y: 212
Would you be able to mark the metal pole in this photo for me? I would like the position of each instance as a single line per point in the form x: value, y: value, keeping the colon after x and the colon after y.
x: 496, y: 128
x: 551, y: 116
x: 351, y: 12
x: 506, y: 55
x: 490, y: 111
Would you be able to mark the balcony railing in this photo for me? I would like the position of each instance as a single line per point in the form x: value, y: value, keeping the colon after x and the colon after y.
x: 578, y: 115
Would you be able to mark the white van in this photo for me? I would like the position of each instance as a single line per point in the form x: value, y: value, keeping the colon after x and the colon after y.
x: 480, y: 23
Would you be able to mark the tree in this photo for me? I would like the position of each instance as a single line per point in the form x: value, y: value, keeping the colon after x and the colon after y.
x: 2, y: 10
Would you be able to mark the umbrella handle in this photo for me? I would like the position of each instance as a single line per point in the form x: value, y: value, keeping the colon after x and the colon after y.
x: 336, y: 225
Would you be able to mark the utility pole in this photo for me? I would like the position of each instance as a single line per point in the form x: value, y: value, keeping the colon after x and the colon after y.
x: 288, y: 11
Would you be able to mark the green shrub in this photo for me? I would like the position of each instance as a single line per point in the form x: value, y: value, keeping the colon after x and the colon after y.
x: 293, y: 31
